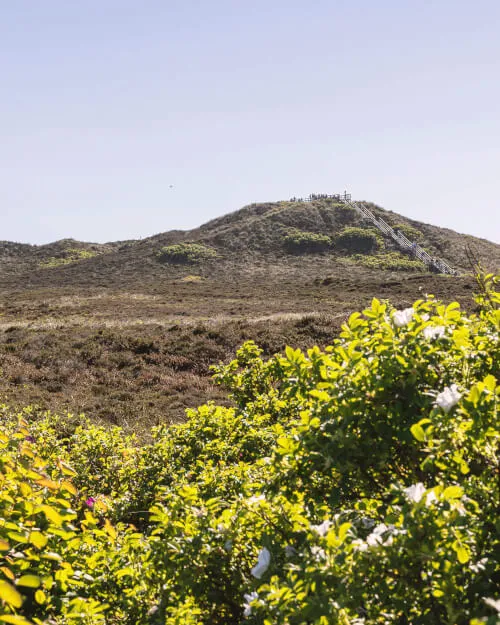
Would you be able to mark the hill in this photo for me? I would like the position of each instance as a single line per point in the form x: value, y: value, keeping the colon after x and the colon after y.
x: 127, y: 331
x: 279, y: 234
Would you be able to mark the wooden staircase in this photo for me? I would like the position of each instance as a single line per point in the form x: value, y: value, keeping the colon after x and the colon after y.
x: 411, y: 247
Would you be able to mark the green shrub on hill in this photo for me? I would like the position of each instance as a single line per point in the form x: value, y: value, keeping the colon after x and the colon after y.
x: 345, y: 214
x: 392, y: 261
x: 355, y: 485
x: 186, y: 253
x: 410, y: 232
x: 301, y: 242
x: 69, y: 257
x: 359, y: 240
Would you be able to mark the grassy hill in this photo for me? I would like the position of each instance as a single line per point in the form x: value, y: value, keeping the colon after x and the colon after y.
x: 127, y: 331
x: 241, y: 242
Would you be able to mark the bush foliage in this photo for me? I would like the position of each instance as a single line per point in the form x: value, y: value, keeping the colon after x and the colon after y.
x: 355, y: 485
x: 410, y: 232
x: 359, y: 240
x: 186, y: 253
x: 69, y: 256
x: 391, y: 261
x: 301, y: 242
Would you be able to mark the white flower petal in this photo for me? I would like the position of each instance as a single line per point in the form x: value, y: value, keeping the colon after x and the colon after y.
x: 415, y: 492
x: 492, y: 603
x: 248, y: 599
x: 448, y: 398
x: 433, y: 332
x: 322, y: 528
x: 256, y: 499
x: 263, y: 562
x: 403, y: 317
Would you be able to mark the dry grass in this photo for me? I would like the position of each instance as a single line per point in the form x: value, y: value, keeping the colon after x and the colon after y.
x: 130, y: 341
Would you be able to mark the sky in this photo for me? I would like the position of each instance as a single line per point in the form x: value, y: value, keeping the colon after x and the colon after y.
x: 120, y: 119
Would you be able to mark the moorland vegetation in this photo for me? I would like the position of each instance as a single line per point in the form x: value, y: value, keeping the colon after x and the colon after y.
x: 356, y: 484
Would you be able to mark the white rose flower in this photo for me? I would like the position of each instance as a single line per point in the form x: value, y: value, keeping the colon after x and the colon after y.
x: 359, y: 545
x: 478, y: 566
x: 375, y: 538
x: 430, y: 498
x: 415, y: 492
x: 318, y: 552
x: 403, y: 317
x: 322, y: 528
x: 256, y: 499
x: 433, y: 332
x: 263, y: 562
x: 492, y: 603
x: 248, y: 599
x: 448, y: 398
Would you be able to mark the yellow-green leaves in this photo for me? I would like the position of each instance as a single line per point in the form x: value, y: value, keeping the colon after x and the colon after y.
x: 373, y: 498
x: 418, y: 432
x: 462, y: 551
x: 14, y: 619
x: 10, y: 595
x: 29, y: 581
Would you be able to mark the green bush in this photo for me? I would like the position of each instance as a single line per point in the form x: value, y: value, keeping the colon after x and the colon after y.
x: 359, y: 240
x: 186, y: 253
x: 346, y: 214
x: 392, y: 261
x: 410, y: 232
x: 355, y: 485
x: 300, y: 242
x: 69, y: 257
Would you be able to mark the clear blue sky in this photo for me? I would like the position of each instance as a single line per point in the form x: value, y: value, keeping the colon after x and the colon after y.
x: 106, y: 103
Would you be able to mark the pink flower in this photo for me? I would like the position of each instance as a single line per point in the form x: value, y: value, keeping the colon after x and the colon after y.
x: 89, y: 502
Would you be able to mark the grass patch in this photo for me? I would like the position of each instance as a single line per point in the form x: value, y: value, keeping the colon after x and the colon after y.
x: 359, y: 240
x: 300, y: 242
x: 392, y: 261
x: 186, y: 253
x: 191, y: 278
x: 68, y: 257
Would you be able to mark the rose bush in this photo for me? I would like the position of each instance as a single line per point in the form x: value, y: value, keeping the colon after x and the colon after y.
x: 353, y: 485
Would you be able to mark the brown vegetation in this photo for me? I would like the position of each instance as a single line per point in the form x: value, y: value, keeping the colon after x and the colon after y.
x: 129, y: 339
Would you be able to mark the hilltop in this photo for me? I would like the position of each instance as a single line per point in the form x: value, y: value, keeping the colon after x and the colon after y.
x: 127, y: 331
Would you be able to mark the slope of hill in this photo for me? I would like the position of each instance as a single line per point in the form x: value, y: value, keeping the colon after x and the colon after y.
x: 244, y: 241
x: 20, y: 259
x: 121, y: 332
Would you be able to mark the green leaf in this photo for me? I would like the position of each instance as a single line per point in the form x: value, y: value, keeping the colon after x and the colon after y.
x: 30, y: 581
x: 38, y: 539
x: 51, y: 514
x: 40, y: 597
x: 490, y: 382
x: 15, y: 619
x: 189, y: 493
x: 285, y: 446
x: 453, y: 492
x: 418, y: 432
x: 10, y: 595
x: 343, y: 529
x: 463, y: 554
